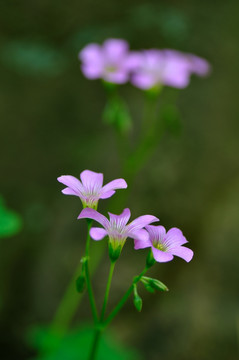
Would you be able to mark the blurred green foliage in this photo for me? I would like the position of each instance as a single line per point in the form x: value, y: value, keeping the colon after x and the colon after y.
x: 33, y: 58
x: 10, y: 221
x: 76, y: 345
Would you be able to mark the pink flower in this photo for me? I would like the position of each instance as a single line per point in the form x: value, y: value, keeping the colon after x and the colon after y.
x: 117, y: 229
x: 165, y: 245
x: 108, y: 62
x: 90, y: 189
x: 151, y: 68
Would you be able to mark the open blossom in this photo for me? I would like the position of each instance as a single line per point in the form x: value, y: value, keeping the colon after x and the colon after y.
x: 117, y: 229
x: 90, y: 188
x: 165, y: 245
x: 108, y: 62
x: 154, y: 67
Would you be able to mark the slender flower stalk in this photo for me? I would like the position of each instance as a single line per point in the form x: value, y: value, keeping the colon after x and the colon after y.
x: 112, y: 266
x: 124, y: 298
x: 87, y: 275
x: 95, y: 344
x: 99, y: 327
x: 104, y: 323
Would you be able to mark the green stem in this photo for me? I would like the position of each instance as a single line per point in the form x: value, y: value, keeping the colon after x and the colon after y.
x: 99, y: 327
x: 87, y: 275
x: 112, y: 266
x: 71, y: 299
x: 124, y: 298
x: 95, y: 344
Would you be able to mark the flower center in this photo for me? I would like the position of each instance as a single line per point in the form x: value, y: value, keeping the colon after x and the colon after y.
x: 111, y: 68
x: 159, y: 246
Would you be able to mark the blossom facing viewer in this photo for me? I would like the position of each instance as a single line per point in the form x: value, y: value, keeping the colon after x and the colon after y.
x: 90, y: 188
x: 108, y: 62
x: 152, y: 68
x: 164, y: 244
x: 117, y: 229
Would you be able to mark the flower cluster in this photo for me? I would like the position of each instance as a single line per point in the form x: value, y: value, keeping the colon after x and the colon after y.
x: 164, y: 245
x: 114, y: 63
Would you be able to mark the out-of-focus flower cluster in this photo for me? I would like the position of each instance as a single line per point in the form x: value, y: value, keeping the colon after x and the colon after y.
x: 113, y: 62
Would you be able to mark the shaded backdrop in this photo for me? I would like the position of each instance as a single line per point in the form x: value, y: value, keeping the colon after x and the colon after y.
x: 51, y: 125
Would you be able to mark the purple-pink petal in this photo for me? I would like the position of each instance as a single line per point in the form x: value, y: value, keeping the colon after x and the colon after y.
x: 175, y: 76
x: 90, y: 53
x: 120, y: 220
x: 183, y: 252
x: 174, y: 238
x: 97, y: 233
x: 71, y: 182
x: 89, y: 213
x: 157, y: 232
x: 161, y: 256
x: 91, y: 57
x: 199, y: 66
x: 69, y: 191
x: 141, y: 222
x: 107, y: 194
x: 141, y: 242
x: 134, y: 60
x: 115, y: 49
x: 113, y: 185
x: 91, y: 179
x: 141, y: 235
x: 143, y: 80
x: 91, y: 71
x: 119, y: 76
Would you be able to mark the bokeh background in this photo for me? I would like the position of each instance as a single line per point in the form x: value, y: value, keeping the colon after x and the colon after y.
x: 51, y: 124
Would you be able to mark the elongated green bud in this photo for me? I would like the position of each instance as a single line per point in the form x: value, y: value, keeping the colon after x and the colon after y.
x: 80, y: 283
x: 138, y: 302
x: 153, y: 284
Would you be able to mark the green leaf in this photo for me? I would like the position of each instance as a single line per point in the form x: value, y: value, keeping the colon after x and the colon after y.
x: 10, y: 221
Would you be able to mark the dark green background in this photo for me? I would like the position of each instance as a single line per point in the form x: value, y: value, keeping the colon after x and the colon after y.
x: 50, y: 124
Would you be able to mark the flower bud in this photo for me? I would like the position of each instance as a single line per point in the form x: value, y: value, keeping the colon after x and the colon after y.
x: 138, y: 302
x: 80, y: 283
x: 153, y: 284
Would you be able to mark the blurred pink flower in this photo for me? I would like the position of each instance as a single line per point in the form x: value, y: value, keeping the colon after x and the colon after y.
x: 108, y: 62
x: 154, y: 67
